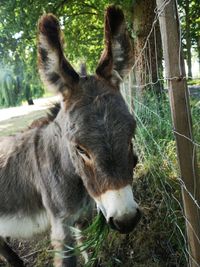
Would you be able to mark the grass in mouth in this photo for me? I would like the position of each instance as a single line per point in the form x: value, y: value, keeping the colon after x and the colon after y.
x: 93, y: 238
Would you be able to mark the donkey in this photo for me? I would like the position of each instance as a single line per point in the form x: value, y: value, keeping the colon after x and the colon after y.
x: 50, y: 173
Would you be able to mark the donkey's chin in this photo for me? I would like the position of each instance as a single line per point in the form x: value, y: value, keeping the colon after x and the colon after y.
x: 125, y: 226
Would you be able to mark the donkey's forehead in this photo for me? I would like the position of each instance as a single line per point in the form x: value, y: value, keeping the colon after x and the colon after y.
x: 98, y: 98
x: 98, y: 108
x: 93, y: 85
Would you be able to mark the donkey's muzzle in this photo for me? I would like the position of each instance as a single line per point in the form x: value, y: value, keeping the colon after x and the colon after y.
x: 126, y: 223
x: 119, y: 209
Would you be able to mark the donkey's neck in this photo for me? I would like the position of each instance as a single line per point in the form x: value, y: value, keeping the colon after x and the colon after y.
x: 57, y: 171
x: 55, y: 146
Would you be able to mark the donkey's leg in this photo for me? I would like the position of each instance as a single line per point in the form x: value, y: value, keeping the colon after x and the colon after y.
x: 62, y: 241
x: 11, y: 257
x: 80, y: 239
x: 84, y: 220
x: 80, y: 225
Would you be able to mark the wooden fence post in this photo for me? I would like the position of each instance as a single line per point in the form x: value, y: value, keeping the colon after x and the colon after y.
x: 180, y: 109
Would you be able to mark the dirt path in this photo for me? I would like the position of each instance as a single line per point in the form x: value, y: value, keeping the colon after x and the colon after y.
x: 17, y: 118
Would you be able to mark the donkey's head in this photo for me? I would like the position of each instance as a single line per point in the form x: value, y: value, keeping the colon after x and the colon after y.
x: 96, y: 125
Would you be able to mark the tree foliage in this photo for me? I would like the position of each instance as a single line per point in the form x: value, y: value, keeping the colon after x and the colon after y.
x: 194, y: 20
x: 190, y: 24
x: 82, y: 24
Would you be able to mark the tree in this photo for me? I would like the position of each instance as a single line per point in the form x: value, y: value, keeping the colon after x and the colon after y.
x: 190, y: 23
x: 149, y: 60
x: 82, y: 23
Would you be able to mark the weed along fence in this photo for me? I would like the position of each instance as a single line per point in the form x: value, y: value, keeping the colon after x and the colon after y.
x: 168, y: 136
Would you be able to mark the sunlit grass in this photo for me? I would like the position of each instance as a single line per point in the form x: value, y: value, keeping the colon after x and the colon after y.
x: 194, y: 82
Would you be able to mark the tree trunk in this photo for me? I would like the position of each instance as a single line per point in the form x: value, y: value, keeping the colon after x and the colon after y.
x: 149, y: 62
x: 188, y: 39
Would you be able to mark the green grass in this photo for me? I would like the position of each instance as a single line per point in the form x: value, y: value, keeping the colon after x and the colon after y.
x: 94, y: 237
x: 157, y: 182
x: 194, y: 82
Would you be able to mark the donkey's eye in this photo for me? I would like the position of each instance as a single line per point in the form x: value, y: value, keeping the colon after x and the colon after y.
x: 80, y: 149
x: 82, y: 152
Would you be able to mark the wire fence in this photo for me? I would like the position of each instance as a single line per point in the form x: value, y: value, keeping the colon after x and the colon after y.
x: 155, y: 140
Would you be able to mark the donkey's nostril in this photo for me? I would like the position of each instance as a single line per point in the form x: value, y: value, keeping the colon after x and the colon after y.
x: 111, y: 223
x: 138, y: 216
x: 126, y: 223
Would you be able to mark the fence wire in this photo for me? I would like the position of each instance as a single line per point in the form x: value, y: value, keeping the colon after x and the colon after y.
x: 155, y: 138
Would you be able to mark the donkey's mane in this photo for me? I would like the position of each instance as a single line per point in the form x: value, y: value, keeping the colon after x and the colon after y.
x: 53, y: 111
x: 45, y: 120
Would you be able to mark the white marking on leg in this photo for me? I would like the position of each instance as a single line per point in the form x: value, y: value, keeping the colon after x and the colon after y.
x: 57, y: 240
x: 79, y: 240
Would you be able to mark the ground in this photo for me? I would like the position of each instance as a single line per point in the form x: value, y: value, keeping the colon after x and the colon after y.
x: 18, y: 118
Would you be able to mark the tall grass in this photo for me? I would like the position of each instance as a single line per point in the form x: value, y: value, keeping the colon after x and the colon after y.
x: 157, y: 150
x: 158, y: 169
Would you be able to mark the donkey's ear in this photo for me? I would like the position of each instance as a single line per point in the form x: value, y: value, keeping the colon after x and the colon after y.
x: 117, y: 57
x: 55, y: 71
